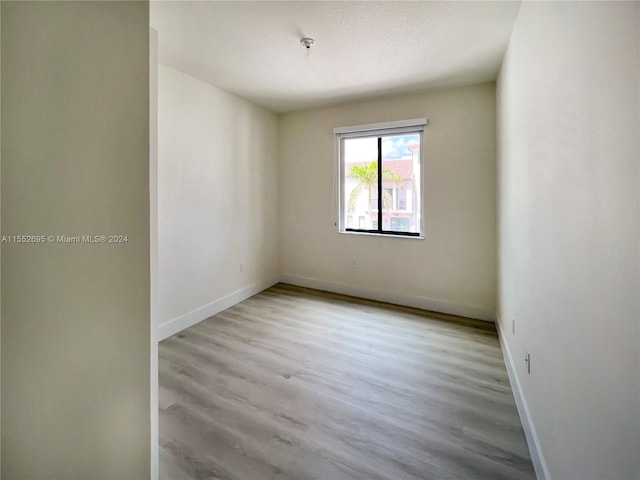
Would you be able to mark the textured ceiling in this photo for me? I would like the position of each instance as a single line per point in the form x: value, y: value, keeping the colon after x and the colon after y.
x: 362, y: 49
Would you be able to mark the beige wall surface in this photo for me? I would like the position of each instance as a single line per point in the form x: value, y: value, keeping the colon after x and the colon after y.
x: 454, y: 266
x: 569, y: 231
x: 217, y: 194
x: 75, y: 161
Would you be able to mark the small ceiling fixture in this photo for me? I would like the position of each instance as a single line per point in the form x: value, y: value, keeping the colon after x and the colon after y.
x: 306, y: 43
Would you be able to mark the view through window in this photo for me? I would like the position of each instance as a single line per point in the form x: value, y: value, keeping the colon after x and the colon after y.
x: 380, y: 176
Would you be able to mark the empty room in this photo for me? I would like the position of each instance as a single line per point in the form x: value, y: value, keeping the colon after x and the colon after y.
x: 332, y: 240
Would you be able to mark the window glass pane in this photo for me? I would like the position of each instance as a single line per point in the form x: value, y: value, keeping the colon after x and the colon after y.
x: 360, y: 181
x: 401, y: 183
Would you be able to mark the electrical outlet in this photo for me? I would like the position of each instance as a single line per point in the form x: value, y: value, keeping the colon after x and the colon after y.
x: 513, y: 325
x: 243, y: 267
x: 527, y: 361
x: 355, y: 264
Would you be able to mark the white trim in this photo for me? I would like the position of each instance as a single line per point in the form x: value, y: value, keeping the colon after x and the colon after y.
x: 537, y: 458
x: 414, y: 122
x: 187, y: 320
x: 424, y: 303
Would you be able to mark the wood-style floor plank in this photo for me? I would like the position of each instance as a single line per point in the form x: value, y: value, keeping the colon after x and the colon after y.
x: 299, y: 384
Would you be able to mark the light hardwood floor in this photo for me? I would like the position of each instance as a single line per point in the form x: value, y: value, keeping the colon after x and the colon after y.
x: 299, y: 384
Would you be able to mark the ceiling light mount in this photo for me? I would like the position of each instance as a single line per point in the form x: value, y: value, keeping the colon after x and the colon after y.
x: 306, y: 42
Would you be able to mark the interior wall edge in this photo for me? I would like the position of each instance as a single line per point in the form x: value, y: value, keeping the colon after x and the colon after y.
x: 153, y: 212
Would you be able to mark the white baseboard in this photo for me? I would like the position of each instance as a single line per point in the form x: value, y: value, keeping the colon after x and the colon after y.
x: 537, y: 458
x: 187, y: 320
x: 424, y: 303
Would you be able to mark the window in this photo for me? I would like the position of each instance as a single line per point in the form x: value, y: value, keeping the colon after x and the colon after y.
x: 380, y: 178
x: 401, y: 224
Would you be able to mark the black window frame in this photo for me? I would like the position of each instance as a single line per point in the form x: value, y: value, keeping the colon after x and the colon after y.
x: 380, y: 131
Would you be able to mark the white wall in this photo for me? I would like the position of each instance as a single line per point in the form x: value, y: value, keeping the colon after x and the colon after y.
x: 569, y: 232
x: 454, y: 268
x: 217, y: 199
x: 75, y: 317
